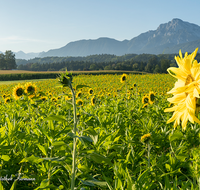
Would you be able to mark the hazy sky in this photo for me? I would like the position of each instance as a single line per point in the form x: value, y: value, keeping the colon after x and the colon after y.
x: 41, y: 25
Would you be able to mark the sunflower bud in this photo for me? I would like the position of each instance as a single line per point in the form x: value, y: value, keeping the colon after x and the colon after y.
x: 65, y: 79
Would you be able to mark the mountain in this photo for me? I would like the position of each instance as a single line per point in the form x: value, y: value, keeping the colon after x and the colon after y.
x: 167, y: 38
x: 90, y: 47
x: 22, y: 55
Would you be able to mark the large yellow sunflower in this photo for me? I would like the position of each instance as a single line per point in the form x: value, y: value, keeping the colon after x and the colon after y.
x: 186, y: 90
x: 18, y: 91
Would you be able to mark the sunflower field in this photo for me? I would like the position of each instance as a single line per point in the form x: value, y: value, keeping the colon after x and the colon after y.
x: 95, y: 132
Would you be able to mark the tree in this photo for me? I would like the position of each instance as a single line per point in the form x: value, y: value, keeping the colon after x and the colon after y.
x: 135, y: 67
x: 157, y: 69
x: 93, y: 67
x: 10, y: 60
x: 164, y: 65
x: 2, y: 61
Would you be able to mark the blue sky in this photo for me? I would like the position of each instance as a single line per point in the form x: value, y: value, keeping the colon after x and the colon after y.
x: 41, y: 25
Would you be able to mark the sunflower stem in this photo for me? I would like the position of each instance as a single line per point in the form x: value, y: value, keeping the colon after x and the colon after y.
x: 148, y: 153
x: 74, y: 140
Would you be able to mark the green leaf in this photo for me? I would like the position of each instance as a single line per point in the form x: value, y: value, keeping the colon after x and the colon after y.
x: 96, y: 182
x: 100, y: 158
x: 90, y: 131
x: 5, y: 157
x: 108, y: 184
x: 87, y: 183
x: 32, y: 159
x: 2, y: 131
x: 42, y: 149
x: 141, y: 178
x: 56, y: 118
x: 1, y: 186
x: 72, y: 135
x: 85, y: 138
x: 58, y: 144
x: 175, y: 136
x: 14, y: 185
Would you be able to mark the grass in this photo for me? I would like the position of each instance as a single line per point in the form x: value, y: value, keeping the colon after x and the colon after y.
x: 20, y: 81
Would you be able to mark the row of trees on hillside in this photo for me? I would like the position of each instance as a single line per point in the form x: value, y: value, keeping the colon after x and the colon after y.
x: 7, y: 60
x: 153, y: 65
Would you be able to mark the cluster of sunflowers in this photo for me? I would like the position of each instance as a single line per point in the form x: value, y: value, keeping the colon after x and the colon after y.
x: 148, y: 99
x: 186, y: 90
x: 28, y: 89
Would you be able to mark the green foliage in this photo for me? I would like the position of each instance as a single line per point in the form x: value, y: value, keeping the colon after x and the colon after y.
x: 128, y: 62
x: 36, y: 144
x: 7, y: 60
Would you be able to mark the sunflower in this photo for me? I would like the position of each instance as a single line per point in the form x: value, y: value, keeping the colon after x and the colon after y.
x: 4, y: 96
x: 145, y: 105
x: 79, y: 94
x: 145, y: 137
x: 54, y: 99
x: 79, y: 102
x: 93, y: 101
x: 90, y: 91
x: 145, y: 99
x: 186, y: 90
x: 18, y: 91
x: 7, y: 100
x: 151, y: 97
x: 123, y: 78
x: 44, y: 98
x: 30, y: 88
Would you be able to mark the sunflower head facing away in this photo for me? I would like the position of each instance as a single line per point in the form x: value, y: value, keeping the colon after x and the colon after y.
x: 186, y: 90
x: 93, y: 101
x: 145, y: 99
x: 18, y: 91
x: 30, y: 88
x: 123, y: 78
x: 151, y: 97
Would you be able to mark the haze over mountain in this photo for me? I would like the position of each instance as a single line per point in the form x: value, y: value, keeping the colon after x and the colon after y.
x: 167, y: 38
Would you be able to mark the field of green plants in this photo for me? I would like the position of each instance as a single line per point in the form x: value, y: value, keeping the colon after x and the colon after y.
x: 111, y: 134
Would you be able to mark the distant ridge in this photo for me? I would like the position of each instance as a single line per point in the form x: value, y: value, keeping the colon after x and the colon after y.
x: 168, y: 38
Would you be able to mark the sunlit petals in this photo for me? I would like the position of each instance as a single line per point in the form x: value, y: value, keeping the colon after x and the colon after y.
x: 177, y: 73
x: 177, y: 98
x: 186, y: 90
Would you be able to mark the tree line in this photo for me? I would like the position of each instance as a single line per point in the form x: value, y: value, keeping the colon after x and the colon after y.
x: 153, y: 65
x: 7, y: 60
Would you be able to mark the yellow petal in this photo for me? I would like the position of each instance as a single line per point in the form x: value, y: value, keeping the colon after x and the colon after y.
x: 177, y: 73
x: 196, y: 93
x: 178, y: 98
x: 170, y: 109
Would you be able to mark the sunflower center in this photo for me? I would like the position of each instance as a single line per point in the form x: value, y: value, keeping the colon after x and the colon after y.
x: 19, y: 92
x: 123, y: 78
x: 189, y: 79
x: 152, y: 97
x: 31, y: 89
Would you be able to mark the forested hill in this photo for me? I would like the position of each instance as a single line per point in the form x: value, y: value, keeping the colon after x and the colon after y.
x: 131, y: 62
x: 97, y: 58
